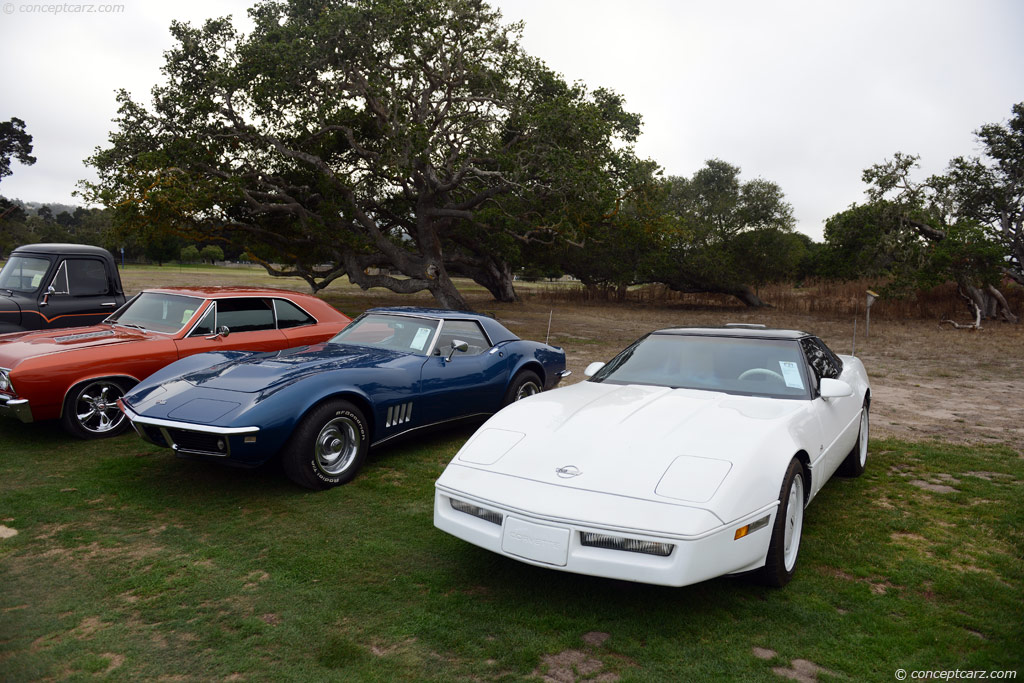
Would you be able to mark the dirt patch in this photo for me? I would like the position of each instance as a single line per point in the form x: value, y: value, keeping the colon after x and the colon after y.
x: 115, y: 661
x: 877, y: 587
x: 595, y: 638
x: 801, y: 670
x: 570, y: 666
x: 254, y: 579
x: 931, y: 486
x: 764, y: 653
x: 7, y: 532
x: 927, y: 382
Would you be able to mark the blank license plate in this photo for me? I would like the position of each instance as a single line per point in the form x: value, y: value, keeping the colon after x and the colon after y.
x: 537, y: 542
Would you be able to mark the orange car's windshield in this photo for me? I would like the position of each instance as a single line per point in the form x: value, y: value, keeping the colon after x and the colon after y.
x: 157, y: 312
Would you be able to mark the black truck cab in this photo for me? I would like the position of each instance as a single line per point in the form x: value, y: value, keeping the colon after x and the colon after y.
x: 46, y: 286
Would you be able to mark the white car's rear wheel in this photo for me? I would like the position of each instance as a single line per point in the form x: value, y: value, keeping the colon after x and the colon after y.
x: 857, y: 459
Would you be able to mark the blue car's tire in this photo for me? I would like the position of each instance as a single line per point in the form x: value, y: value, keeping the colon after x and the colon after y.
x: 328, y: 448
x: 525, y: 383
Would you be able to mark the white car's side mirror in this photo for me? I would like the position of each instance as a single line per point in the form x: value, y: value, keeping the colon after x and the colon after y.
x: 592, y: 369
x: 835, y: 388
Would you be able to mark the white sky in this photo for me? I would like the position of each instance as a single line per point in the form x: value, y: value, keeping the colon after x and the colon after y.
x: 805, y: 93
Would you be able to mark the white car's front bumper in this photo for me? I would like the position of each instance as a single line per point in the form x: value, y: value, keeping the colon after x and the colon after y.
x: 554, y: 539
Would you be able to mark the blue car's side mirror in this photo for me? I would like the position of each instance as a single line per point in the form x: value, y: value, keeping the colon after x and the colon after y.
x: 457, y: 345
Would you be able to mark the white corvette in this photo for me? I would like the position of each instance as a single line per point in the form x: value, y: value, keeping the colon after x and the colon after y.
x: 692, y: 454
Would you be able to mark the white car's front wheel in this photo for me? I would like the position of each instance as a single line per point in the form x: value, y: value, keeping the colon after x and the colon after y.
x: 788, y: 529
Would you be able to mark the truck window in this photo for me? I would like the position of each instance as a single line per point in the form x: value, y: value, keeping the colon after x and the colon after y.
x: 23, y: 273
x: 87, y: 277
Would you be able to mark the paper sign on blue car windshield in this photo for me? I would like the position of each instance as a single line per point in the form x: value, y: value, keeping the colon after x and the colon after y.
x: 791, y: 373
x: 420, y: 340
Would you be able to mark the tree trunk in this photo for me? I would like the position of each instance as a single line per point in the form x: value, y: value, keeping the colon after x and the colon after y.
x: 497, y: 278
x: 747, y: 296
x: 741, y: 292
x: 990, y: 301
x: 445, y: 292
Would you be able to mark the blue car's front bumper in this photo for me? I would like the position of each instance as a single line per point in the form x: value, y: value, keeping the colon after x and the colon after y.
x: 188, y: 438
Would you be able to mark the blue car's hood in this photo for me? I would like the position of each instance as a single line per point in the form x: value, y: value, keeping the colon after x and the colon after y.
x: 261, y: 371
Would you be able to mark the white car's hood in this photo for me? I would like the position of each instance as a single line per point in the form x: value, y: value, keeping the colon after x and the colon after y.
x: 654, y: 443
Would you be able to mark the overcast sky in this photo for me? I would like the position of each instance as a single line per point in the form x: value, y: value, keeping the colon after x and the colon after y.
x: 803, y: 93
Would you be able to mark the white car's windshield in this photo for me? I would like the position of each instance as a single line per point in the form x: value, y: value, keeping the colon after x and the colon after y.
x: 394, y: 332
x: 754, y: 367
x: 23, y: 273
x: 157, y: 312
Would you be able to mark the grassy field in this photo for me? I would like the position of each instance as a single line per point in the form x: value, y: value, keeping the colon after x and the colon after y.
x: 129, y: 563
x: 119, y: 562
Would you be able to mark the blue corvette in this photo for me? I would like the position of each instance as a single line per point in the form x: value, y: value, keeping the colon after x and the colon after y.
x: 390, y: 372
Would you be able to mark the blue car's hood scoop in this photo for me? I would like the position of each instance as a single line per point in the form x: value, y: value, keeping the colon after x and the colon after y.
x: 260, y: 371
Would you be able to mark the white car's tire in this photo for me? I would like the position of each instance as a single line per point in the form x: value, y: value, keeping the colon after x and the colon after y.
x: 788, y: 529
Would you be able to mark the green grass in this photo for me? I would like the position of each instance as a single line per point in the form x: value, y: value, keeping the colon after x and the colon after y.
x: 129, y: 563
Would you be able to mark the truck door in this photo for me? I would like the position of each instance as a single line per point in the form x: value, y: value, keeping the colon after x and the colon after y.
x: 80, y: 293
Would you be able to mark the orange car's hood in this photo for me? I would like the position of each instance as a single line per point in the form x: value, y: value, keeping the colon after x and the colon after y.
x: 18, y: 346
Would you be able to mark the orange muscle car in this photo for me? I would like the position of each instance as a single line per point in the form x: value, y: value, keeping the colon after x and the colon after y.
x: 78, y: 374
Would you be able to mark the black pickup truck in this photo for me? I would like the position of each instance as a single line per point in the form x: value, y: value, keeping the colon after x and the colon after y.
x: 58, y: 285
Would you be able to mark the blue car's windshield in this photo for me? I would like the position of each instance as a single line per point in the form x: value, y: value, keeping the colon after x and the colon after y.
x: 754, y: 367
x: 394, y: 332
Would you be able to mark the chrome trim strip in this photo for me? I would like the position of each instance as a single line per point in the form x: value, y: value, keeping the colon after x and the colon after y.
x: 187, y: 426
x: 204, y: 312
x: 434, y: 424
x: 188, y: 451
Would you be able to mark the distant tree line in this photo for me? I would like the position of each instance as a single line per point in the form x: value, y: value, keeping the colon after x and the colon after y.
x: 401, y: 143
x: 22, y: 223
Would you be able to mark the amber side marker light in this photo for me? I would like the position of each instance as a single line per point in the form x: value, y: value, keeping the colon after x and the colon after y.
x: 751, y: 528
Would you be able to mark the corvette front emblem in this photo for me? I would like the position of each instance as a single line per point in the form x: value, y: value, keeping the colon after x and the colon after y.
x: 568, y: 471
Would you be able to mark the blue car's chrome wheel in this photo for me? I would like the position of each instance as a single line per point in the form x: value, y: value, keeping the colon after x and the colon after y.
x: 337, y: 445
x: 526, y: 383
x: 328, y: 447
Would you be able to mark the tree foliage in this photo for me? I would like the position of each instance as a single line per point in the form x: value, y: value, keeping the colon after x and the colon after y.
x: 964, y: 225
x: 15, y: 143
x: 340, y: 136
x: 725, y: 234
x: 189, y: 254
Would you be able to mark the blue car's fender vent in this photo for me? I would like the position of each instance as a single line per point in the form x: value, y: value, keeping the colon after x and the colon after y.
x: 399, y: 414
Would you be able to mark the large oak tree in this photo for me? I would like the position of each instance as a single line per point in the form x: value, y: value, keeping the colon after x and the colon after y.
x: 397, y: 142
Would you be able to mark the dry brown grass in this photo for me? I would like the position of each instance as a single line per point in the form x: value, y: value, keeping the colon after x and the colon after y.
x: 928, y: 380
x: 819, y: 297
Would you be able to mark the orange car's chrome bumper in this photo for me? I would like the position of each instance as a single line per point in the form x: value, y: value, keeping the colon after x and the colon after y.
x: 17, y: 408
